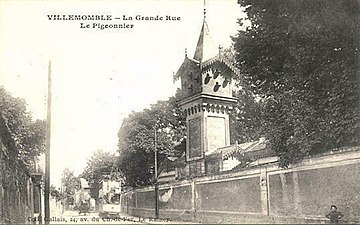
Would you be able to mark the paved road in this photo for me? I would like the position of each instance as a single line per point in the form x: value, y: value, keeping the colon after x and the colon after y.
x: 58, y: 216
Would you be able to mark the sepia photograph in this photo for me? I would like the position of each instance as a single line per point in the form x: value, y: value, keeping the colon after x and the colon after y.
x: 179, y: 111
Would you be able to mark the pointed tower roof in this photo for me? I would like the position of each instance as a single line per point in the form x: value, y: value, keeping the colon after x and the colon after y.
x: 205, y: 48
x: 206, y: 54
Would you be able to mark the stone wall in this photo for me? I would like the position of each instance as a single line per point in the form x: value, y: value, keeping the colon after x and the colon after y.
x: 310, y: 190
x: 301, y: 193
x: 16, y: 189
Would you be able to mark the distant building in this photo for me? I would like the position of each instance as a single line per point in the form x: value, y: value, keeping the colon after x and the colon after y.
x: 83, y: 194
x: 84, y: 184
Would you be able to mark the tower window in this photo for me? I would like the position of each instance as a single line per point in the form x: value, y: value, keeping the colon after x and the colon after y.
x: 207, y: 78
x: 216, y: 87
x: 216, y: 73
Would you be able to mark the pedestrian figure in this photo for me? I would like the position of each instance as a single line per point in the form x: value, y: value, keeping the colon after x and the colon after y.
x: 334, y: 215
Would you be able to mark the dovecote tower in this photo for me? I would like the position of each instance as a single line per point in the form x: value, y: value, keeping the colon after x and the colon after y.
x: 206, y: 98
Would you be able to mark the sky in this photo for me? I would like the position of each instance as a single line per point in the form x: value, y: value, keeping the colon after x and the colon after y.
x: 100, y: 76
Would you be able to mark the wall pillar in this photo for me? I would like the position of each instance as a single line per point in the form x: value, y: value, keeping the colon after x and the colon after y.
x: 297, y: 207
x: 193, y: 198
x: 285, y: 194
x: 264, y: 192
x: 2, y: 216
x: 136, y: 201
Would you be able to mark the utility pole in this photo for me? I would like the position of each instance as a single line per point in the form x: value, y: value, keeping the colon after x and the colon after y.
x: 47, y: 150
x: 62, y: 193
x: 156, y: 177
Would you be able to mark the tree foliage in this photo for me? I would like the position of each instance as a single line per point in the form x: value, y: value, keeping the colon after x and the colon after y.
x: 71, y: 184
x: 56, y: 194
x: 302, y: 58
x: 136, y: 139
x: 101, y: 165
x: 246, y: 119
x: 27, y: 134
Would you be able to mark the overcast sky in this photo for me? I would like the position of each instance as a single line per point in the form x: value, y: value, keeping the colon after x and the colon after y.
x: 99, y: 76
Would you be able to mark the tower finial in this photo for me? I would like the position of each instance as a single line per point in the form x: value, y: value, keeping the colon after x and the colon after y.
x: 186, y: 52
x: 204, y: 9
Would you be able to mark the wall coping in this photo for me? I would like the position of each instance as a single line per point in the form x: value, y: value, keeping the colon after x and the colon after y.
x: 340, y: 157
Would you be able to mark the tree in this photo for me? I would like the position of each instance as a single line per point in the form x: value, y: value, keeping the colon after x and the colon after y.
x: 101, y: 165
x: 246, y: 119
x: 136, y: 139
x: 302, y: 58
x: 55, y: 193
x: 71, y: 184
x: 28, y: 135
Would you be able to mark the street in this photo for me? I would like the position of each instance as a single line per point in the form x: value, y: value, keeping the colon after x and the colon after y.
x: 60, y: 216
x: 73, y: 217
